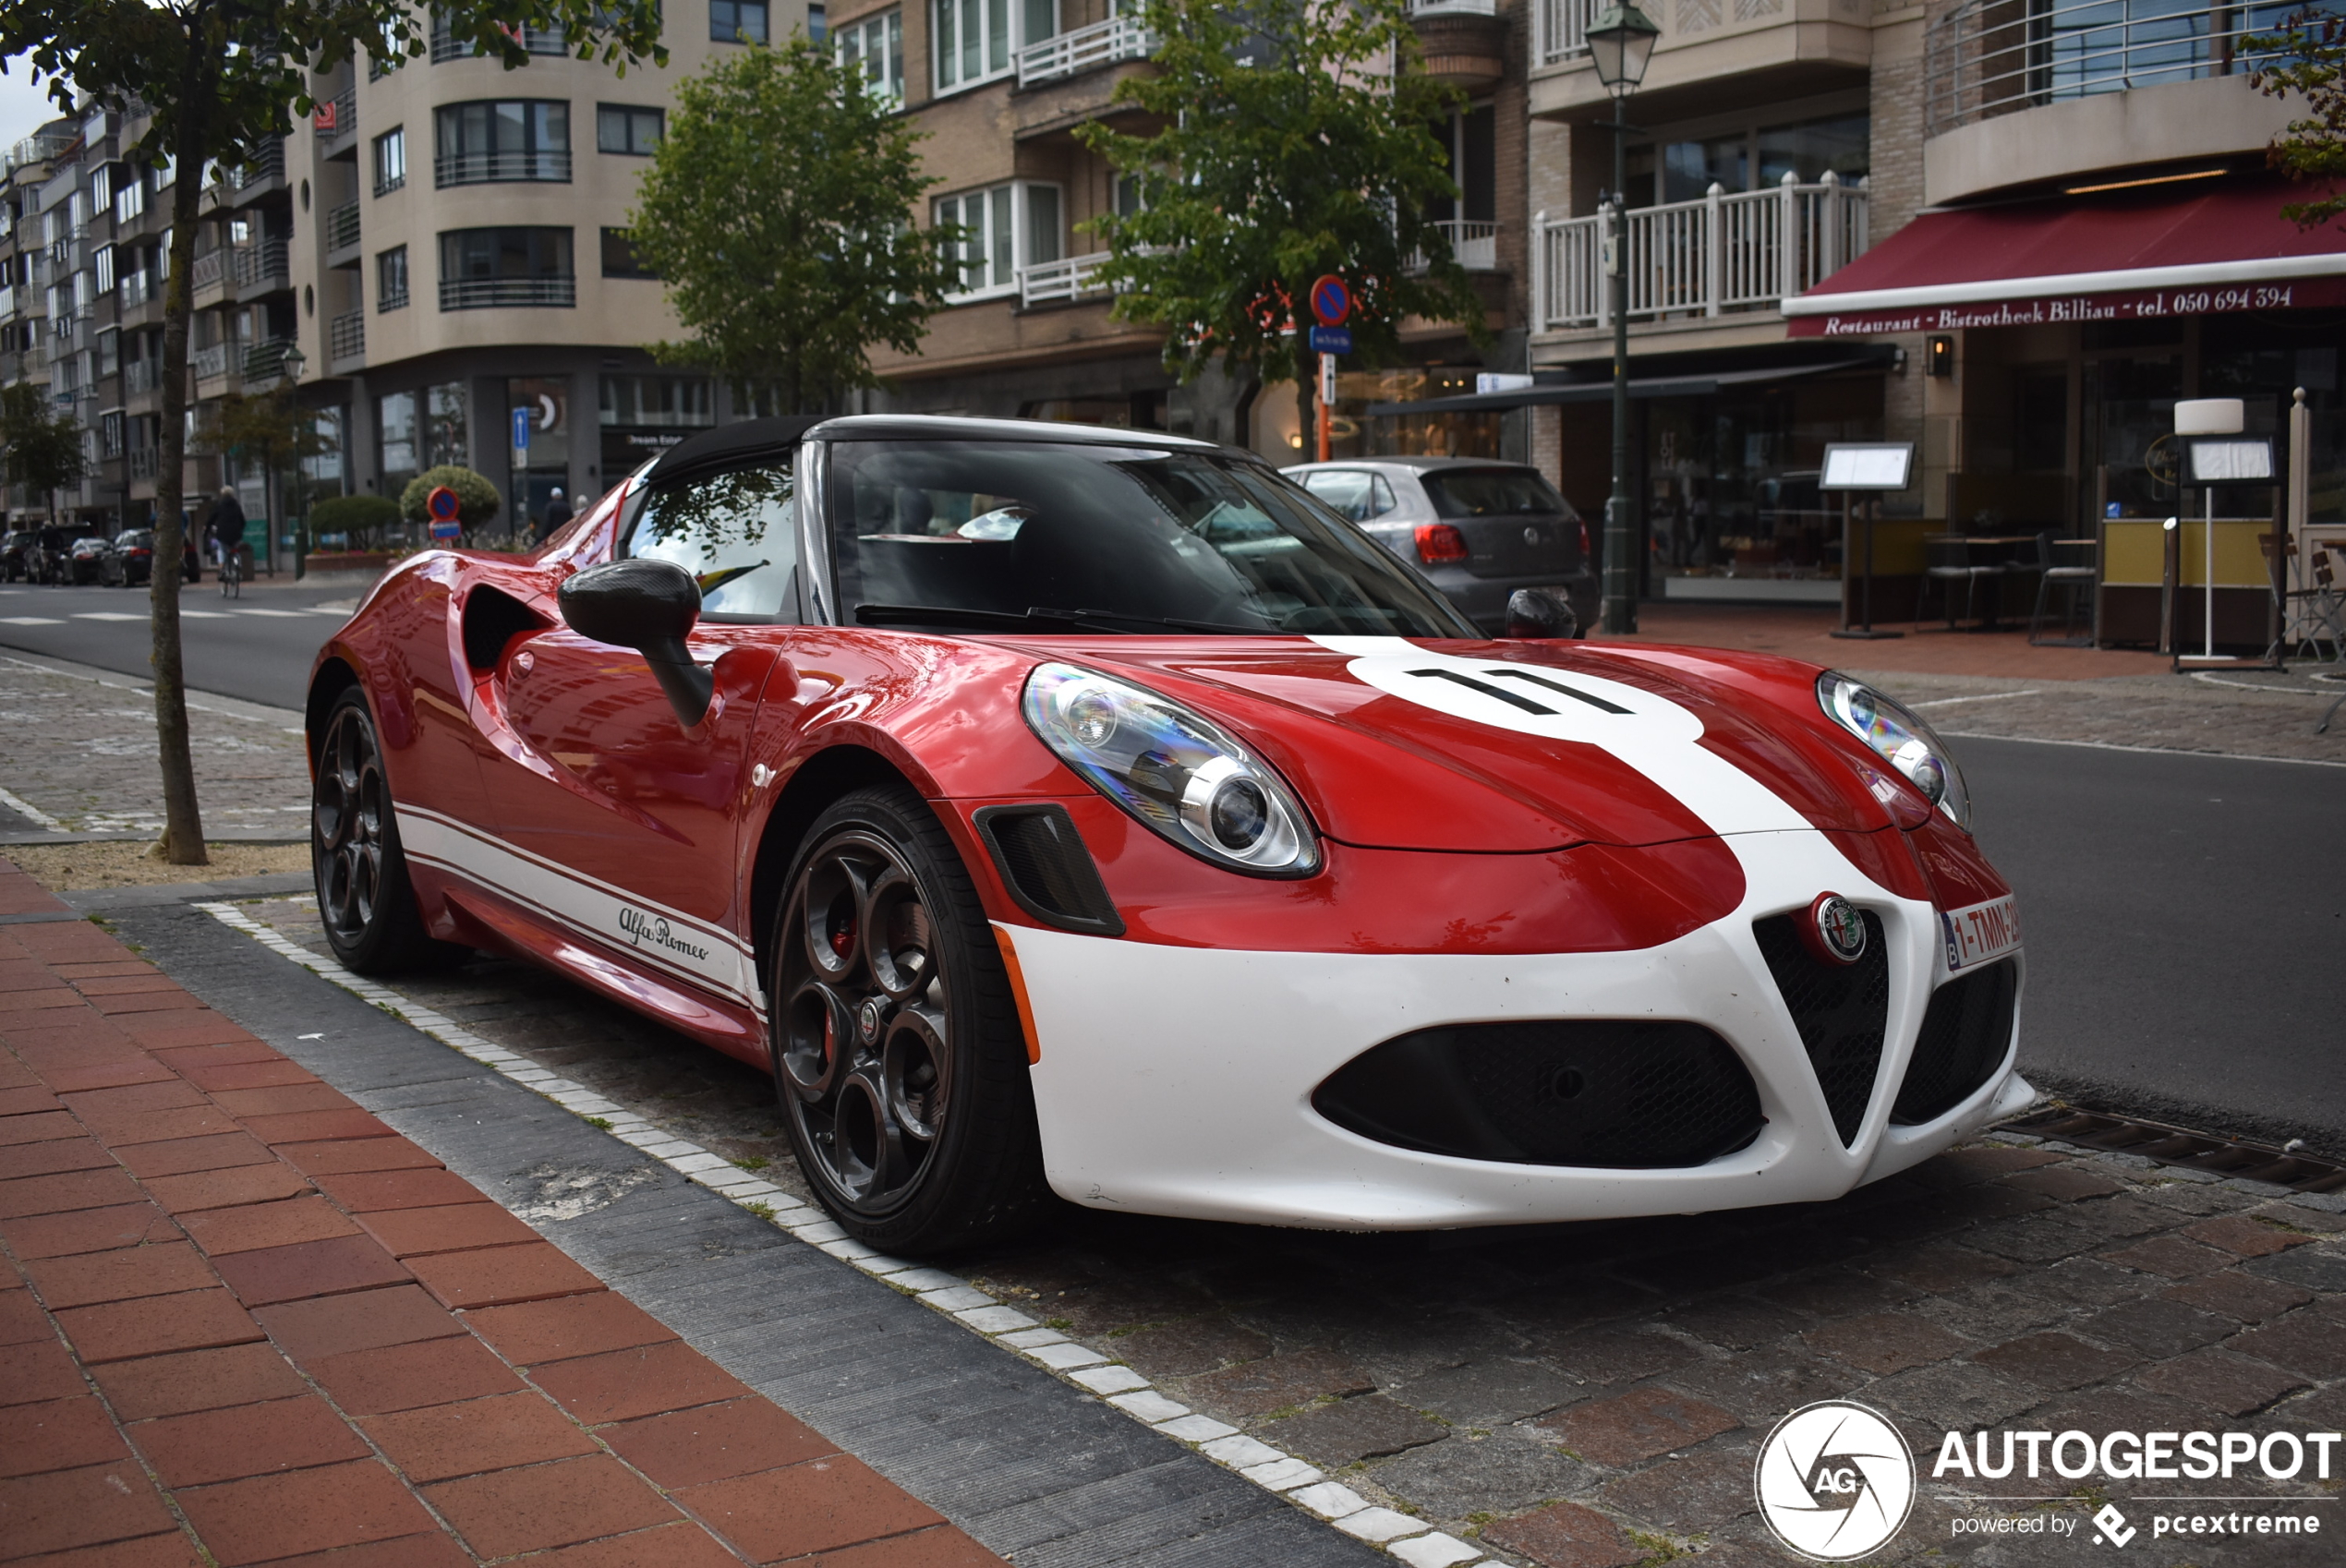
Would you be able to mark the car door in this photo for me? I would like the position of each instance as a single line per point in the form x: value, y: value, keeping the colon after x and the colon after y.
x: 619, y: 822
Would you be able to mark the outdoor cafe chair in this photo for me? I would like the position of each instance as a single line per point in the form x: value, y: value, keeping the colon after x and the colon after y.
x: 2077, y: 583
x: 1947, y: 561
x: 2316, y: 614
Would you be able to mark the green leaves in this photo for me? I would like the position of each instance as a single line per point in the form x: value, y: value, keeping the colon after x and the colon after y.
x: 775, y: 212
x: 43, y: 446
x: 2312, y: 63
x: 1296, y: 141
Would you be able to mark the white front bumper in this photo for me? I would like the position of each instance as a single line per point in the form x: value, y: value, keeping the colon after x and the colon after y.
x: 1177, y: 1081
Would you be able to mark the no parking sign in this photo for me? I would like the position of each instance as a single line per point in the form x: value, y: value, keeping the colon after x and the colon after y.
x: 443, y: 506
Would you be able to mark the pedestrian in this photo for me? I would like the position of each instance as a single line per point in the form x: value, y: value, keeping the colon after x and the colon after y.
x: 227, y: 528
x: 557, y: 513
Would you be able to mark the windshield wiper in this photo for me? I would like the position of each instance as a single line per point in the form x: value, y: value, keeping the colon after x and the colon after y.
x: 1038, y: 615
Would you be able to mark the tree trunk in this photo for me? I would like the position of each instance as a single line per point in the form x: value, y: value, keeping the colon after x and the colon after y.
x: 183, y: 820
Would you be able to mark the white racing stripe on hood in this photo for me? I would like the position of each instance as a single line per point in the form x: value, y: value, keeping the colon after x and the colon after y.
x: 1650, y: 733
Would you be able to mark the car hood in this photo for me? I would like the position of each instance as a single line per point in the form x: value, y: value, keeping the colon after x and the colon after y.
x: 1501, y: 747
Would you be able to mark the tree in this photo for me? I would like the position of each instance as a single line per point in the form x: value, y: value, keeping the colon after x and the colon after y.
x: 2311, y: 50
x: 270, y: 429
x: 476, y: 501
x: 775, y: 213
x: 1296, y: 141
x: 43, y: 446
x: 220, y: 77
x: 365, y: 521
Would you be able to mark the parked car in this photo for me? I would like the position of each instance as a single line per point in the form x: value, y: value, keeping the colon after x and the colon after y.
x: 18, y: 555
x: 86, y: 559
x: 1052, y: 809
x: 1478, y: 530
x: 130, y: 559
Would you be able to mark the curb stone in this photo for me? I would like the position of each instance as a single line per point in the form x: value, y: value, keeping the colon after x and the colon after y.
x: 1299, y: 1482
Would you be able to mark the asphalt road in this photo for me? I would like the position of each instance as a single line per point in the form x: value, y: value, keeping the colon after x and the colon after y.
x: 2185, y: 922
x: 258, y: 646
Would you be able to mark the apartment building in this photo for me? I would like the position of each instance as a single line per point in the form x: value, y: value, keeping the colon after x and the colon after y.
x: 999, y: 90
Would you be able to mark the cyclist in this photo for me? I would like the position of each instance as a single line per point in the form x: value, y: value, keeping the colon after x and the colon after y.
x: 227, y: 532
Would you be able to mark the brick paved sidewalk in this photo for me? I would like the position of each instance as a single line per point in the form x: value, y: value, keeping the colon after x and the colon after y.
x: 243, y: 1321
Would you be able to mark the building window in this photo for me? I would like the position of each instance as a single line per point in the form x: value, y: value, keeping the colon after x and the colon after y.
x: 1753, y: 158
x: 514, y: 139
x: 391, y: 279
x: 620, y: 260
x: 737, y: 22
x: 819, y: 21
x: 391, y: 160
x: 1004, y: 229
x: 396, y: 415
x: 484, y: 269
x: 658, y: 402
x: 102, y: 261
x: 971, y: 38
x: 129, y: 196
x: 624, y: 129
x: 876, y: 45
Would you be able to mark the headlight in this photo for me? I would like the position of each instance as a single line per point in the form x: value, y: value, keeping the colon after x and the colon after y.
x: 1172, y: 769
x: 1904, y: 739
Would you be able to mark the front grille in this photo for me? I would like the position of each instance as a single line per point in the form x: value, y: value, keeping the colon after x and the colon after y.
x: 1966, y: 1032
x: 1840, y: 1009
x: 1628, y: 1094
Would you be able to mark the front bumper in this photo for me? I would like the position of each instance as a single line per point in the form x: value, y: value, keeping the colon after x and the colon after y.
x: 1177, y: 1081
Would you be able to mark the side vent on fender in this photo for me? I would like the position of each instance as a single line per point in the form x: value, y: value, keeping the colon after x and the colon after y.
x: 1047, y: 868
x: 493, y: 619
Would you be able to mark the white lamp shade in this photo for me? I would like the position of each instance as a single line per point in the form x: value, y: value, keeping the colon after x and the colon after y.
x: 2211, y: 417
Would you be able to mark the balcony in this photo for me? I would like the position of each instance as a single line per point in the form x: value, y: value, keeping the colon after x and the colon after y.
x: 1086, y: 48
x: 493, y: 168
x: 265, y: 361
x: 268, y: 165
x: 262, y: 267
x: 1474, y: 242
x: 1464, y: 41
x: 342, y: 226
x: 210, y: 364
x: 135, y: 289
x: 7, y: 300
x: 1722, y: 253
x: 490, y: 293
x: 346, y: 338
x: 337, y: 117
x: 141, y: 462
x: 141, y: 376
x: 1053, y: 282
x: 1560, y: 29
x: 446, y: 46
x: 211, y: 268
x: 1990, y: 57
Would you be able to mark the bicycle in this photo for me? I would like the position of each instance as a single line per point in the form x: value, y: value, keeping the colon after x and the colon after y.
x: 232, y: 573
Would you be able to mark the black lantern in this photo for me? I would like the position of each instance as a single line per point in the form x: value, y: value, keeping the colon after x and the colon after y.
x: 1620, y: 43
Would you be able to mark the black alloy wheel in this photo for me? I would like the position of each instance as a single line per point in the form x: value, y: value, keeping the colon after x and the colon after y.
x: 364, y: 898
x: 897, y: 1056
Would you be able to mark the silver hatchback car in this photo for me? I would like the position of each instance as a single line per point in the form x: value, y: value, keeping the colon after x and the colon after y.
x: 1478, y: 529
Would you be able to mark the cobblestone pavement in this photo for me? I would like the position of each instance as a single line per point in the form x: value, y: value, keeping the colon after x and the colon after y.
x: 1593, y: 1395
x: 80, y: 752
x: 2246, y: 714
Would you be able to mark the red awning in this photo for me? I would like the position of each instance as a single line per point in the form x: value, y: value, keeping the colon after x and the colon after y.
x: 2185, y: 250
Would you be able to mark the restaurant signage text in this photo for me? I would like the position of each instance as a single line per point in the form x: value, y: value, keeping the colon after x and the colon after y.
x: 2295, y: 294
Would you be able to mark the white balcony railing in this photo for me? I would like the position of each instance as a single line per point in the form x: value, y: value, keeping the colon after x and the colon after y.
x: 1474, y: 242
x: 211, y: 363
x: 1722, y: 253
x: 1989, y: 58
x: 1118, y: 38
x: 211, y: 268
x: 1072, y: 278
x: 1561, y: 28
x: 1453, y: 8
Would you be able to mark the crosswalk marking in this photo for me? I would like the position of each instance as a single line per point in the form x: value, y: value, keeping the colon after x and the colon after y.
x: 29, y: 621
x: 105, y: 615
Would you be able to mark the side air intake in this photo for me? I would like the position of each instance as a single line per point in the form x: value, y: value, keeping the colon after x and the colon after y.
x: 1967, y: 1032
x: 1628, y: 1094
x: 1047, y: 868
x: 1840, y: 1009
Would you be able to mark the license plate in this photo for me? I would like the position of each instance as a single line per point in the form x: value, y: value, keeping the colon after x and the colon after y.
x: 1981, y: 932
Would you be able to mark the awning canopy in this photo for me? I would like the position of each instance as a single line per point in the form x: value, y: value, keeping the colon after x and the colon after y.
x: 2184, y: 249
x: 1690, y: 384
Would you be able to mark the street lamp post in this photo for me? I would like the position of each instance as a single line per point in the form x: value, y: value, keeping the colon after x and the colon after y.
x: 1620, y: 43
x: 292, y: 363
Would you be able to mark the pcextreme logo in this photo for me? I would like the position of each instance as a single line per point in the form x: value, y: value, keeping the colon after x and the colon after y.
x: 1834, y: 1480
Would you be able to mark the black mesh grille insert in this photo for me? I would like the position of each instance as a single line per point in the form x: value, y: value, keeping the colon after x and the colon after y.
x: 1047, y: 868
x: 1623, y: 1094
x: 1840, y: 1009
x: 1966, y: 1032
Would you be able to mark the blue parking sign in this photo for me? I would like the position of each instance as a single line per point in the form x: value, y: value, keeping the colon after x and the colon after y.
x: 520, y: 429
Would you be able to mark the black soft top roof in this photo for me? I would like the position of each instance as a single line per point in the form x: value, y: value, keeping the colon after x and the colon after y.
x: 742, y: 445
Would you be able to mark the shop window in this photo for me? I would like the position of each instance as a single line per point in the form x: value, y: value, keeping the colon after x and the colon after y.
x: 396, y: 452
x: 737, y: 22
x: 1003, y: 229
x: 628, y: 130
x: 876, y: 46
x: 444, y: 424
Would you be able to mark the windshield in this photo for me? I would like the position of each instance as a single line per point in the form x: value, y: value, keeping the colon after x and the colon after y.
x: 1491, y: 492
x: 1117, y: 538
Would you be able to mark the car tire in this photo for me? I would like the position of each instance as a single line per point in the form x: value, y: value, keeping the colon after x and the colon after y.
x: 901, y: 1069
x: 365, y: 899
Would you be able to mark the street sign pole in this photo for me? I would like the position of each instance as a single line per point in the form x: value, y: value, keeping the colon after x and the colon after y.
x: 1328, y: 397
x: 1331, y: 302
